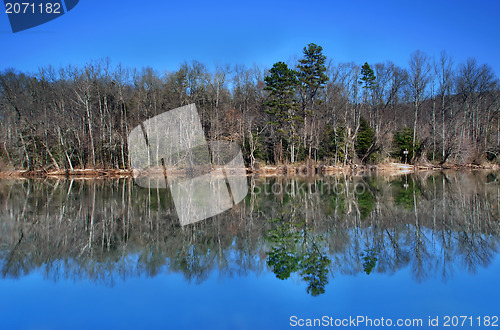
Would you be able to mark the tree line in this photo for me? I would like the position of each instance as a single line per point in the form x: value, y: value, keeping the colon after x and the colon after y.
x: 311, y: 110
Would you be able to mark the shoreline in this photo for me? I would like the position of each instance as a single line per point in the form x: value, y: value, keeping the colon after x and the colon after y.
x: 276, y: 170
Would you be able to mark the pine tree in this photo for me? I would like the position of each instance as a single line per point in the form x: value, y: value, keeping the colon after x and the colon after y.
x: 403, y: 141
x: 312, y: 77
x: 367, y: 77
x: 312, y: 71
x: 282, y: 105
x: 365, y: 140
x: 368, y: 83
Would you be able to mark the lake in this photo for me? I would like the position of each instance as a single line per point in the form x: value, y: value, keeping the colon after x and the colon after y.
x: 417, y: 249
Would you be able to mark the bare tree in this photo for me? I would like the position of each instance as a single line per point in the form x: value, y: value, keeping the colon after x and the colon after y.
x: 418, y: 79
x: 444, y: 74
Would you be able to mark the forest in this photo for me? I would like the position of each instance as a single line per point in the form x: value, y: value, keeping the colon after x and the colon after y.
x: 311, y: 110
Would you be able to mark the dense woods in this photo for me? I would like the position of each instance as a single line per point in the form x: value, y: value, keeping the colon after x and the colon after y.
x: 312, y: 110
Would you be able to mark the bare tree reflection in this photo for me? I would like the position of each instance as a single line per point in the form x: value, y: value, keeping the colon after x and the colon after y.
x: 436, y: 225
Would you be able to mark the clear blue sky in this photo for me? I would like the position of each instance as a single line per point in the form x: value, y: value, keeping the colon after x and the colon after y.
x: 163, y: 34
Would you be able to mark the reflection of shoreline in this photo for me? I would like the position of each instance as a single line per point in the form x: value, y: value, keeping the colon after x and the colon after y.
x: 354, y: 259
x: 432, y: 223
x: 285, y: 170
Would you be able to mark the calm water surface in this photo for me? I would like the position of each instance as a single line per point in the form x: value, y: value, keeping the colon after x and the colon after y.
x: 80, y: 254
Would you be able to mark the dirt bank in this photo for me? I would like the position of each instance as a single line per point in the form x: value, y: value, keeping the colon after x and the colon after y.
x: 280, y: 170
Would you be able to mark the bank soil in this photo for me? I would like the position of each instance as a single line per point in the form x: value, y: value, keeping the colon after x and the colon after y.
x: 281, y: 170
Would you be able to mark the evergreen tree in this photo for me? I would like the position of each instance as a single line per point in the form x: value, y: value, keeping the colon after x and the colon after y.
x: 312, y: 77
x: 281, y: 104
x: 368, y: 83
x: 312, y: 72
x: 365, y: 140
x: 403, y: 141
x: 367, y: 77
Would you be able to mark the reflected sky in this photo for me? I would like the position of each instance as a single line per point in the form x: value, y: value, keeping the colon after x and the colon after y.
x: 245, y: 302
x: 99, y: 254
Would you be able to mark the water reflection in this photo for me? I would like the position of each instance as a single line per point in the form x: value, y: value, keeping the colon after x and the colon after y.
x: 311, y: 228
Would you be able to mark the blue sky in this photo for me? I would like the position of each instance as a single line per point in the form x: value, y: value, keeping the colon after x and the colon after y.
x: 163, y: 34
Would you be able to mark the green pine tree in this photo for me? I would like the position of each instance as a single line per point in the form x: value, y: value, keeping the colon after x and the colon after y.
x: 282, y: 105
x: 312, y: 71
x: 403, y: 141
x: 367, y: 77
x: 312, y: 78
x: 365, y: 140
